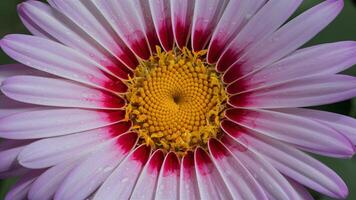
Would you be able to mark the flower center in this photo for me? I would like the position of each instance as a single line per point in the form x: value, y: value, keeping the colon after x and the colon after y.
x: 176, y: 101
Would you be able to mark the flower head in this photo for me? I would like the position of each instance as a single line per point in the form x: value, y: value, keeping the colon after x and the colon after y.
x: 180, y: 99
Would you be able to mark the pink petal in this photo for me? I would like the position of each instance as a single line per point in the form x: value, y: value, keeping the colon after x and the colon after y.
x: 273, y: 183
x: 188, y: 188
x: 57, y: 92
x: 65, y: 31
x: 122, y: 16
x: 168, y: 180
x: 57, y: 59
x: 285, y: 40
x: 60, y: 149
x: 207, y: 14
x: 143, y: 11
x: 296, y: 164
x: 121, y: 182
x: 341, y: 123
x: 236, y: 15
x: 54, y: 122
x: 302, y: 132
x: 44, y: 187
x: 269, y: 18
x: 303, y: 92
x: 211, y: 184
x: 32, y: 27
x: 145, y: 187
x: 20, y: 189
x: 182, y: 14
x: 9, y: 70
x: 16, y: 171
x: 238, y: 179
x: 9, y: 107
x: 322, y: 59
x: 85, y: 178
x: 161, y: 15
x: 85, y: 15
x: 9, y: 150
x: 302, y: 191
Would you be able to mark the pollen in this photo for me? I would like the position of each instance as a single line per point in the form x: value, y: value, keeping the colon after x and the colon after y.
x: 176, y: 101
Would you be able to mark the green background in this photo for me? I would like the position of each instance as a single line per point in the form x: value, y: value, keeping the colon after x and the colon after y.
x: 343, y: 28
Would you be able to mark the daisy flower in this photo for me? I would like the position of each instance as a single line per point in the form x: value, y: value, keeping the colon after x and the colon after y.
x: 179, y: 99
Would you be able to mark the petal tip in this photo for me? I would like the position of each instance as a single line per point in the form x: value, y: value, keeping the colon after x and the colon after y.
x: 343, y: 193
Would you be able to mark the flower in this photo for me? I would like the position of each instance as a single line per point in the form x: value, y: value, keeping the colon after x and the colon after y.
x: 173, y: 99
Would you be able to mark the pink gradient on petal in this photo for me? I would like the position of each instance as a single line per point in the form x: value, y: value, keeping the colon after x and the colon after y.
x: 166, y: 35
x: 200, y: 38
x: 171, y: 164
x: 203, y: 162
x: 140, y: 47
x: 115, y: 85
x: 188, y: 165
x: 228, y: 58
x: 128, y: 58
x: 119, y: 128
x: 120, y: 70
x: 114, y: 116
x: 156, y: 161
x: 215, y: 51
x: 126, y: 141
x: 141, y: 154
x: 153, y: 40
x: 234, y: 72
x: 217, y: 150
x: 181, y: 33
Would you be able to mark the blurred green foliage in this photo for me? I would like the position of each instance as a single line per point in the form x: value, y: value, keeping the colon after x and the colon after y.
x: 343, y: 28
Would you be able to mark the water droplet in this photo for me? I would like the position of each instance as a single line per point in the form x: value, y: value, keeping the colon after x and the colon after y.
x: 124, y: 180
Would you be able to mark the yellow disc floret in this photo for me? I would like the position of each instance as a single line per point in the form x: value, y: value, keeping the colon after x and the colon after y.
x: 175, y: 101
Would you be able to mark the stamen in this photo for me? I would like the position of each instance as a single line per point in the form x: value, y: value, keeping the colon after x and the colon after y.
x: 176, y: 101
